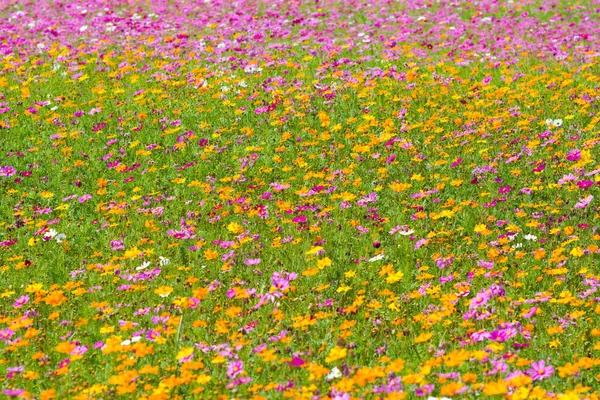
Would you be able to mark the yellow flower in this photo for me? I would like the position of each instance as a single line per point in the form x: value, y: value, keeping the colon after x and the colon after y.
x: 395, y: 277
x: 324, y: 262
x: 400, y: 187
x: 495, y: 388
x: 423, y: 337
x: 337, y: 353
x: 185, y: 353
x: 163, y: 291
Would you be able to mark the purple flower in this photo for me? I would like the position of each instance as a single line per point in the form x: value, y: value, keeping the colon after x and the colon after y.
x: 234, y: 369
x: 584, y: 184
x: 21, y: 301
x: 583, y: 203
x: 8, y: 170
x: 424, y: 390
x: 13, y: 392
x: 297, y: 361
x: 539, y: 370
x: 117, y: 245
x: 574, y: 155
x: 480, y: 299
x: 252, y: 261
x: 504, y: 189
x: 84, y: 198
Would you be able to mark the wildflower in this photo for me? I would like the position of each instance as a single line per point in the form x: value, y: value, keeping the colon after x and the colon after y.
x: 377, y: 258
x: 335, y: 373
x: 7, y: 171
x: 234, y: 369
x: 574, y: 155
x: 480, y: 299
x: 50, y: 234
x: 539, y: 370
x: 164, y: 261
x: 21, y: 301
x: 144, y: 265
x: 117, y: 245
x: 583, y: 203
x: 336, y: 353
x: 13, y: 392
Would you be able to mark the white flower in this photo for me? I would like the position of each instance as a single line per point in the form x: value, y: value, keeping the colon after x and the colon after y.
x: 135, y: 339
x: 530, y: 237
x: 335, y: 373
x: 376, y: 258
x: 144, y: 265
x: 164, y: 261
x: 406, y: 233
x: 517, y: 246
x: 60, y: 237
x: 554, y: 122
x: 126, y: 342
x: 50, y: 234
x: 83, y: 28
x: 438, y: 398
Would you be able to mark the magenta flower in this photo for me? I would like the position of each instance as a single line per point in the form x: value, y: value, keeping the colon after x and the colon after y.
x: 235, y: 368
x: 574, y: 155
x: 504, y: 189
x: 539, y: 370
x: 480, y: 299
x: 7, y: 171
x: 21, y: 301
x: 584, y: 184
x: 299, y: 219
x: 13, y: 392
x: 117, y: 245
x: 297, y: 362
x: 252, y: 261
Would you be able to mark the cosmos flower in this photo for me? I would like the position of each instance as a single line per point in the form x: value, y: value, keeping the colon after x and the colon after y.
x: 540, y: 371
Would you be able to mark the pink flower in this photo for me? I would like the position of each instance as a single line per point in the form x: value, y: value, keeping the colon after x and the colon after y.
x: 297, y: 362
x: 13, y: 392
x: 8, y: 170
x: 117, y: 245
x: 504, y: 189
x: 252, y: 261
x: 539, y: 370
x: 84, y: 198
x: 574, y: 155
x: 584, y: 184
x: 234, y: 369
x: 21, y: 301
x: 299, y: 219
x: 583, y: 203
x: 480, y: 299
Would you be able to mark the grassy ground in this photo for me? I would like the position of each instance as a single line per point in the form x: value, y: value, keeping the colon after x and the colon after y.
x: 299, y: 200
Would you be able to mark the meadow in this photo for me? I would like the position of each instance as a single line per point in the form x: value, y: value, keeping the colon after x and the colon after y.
x: 257, y: 199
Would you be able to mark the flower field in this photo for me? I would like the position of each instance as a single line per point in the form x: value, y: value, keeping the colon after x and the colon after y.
x: 299, y: 199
